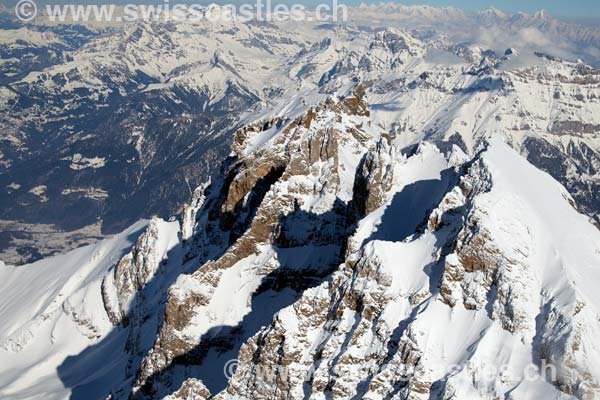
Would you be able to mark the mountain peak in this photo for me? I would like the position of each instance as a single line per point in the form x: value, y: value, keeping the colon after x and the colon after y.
x: 493, y: 11
x: 542, y: 15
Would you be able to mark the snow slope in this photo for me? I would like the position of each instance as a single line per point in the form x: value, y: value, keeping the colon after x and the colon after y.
x: 53, y: 309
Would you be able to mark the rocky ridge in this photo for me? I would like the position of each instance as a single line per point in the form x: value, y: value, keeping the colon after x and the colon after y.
x: 402, y: 241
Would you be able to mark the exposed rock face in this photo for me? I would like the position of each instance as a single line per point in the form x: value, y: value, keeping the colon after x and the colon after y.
x: 325, y: 257
x: 131, y: 274
x: 343, y: 310
x: 190, y: 210
x: 480, y: 270
x: 292, y: 196
x: 316, y: 218
x: 340, y: 339
x: 374, y: 178
x: 192, y: 389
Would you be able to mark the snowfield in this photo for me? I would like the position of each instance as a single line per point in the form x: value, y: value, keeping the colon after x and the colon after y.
x: 53, y: 309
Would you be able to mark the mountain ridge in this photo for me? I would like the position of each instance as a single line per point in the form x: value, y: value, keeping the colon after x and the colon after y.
x: 295, y: 258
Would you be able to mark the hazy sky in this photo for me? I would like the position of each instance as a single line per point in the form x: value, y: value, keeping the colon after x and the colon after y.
x: 563, y: 8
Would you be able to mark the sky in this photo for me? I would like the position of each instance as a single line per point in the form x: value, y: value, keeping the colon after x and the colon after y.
x: 557, y: 8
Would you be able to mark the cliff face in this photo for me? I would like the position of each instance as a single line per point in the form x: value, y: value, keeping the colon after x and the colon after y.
x: 480, y: 272
x: 327, y: 263
x: 277, y: 225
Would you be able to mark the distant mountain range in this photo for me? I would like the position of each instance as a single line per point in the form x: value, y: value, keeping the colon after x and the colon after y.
x: 104, y: 126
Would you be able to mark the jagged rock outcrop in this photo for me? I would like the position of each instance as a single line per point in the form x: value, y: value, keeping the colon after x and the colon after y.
x: 408, y: 238
x: 363, y: 333
x: 294, y: 195
x: 481, y: 270
x: 132, y: 273
x: 374, y: 178
x: 327, y: 263
x: 192, y: 389
x: 188, y: 214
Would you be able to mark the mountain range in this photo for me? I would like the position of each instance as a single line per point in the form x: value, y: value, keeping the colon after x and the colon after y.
x: 88, y: 111
x: 302, y: 211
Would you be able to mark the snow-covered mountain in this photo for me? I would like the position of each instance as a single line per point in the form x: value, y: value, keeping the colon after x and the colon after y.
x: 370, y: 213
x: 327, y: 262
x: 128, y: 117
x: 103, y: 126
